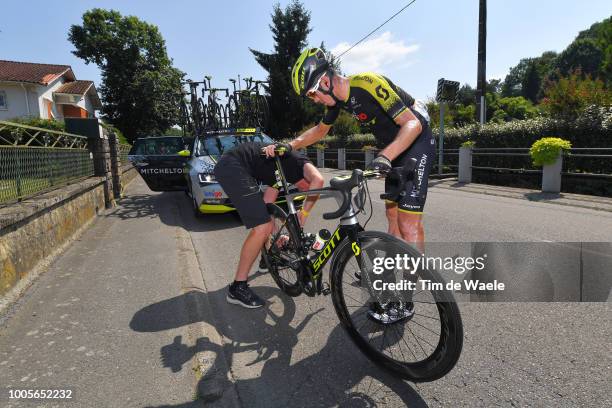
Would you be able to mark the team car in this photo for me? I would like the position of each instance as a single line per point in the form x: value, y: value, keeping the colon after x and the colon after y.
x: 189, y: 166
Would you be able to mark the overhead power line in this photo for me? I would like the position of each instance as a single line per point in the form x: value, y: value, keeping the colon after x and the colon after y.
x: 376, y: 29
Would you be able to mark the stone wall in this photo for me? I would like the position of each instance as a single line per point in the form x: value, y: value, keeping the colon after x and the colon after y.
x: 32, y: 230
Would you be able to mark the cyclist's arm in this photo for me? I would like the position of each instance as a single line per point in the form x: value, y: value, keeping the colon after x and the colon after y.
x: 311, y: 136
x: 410, y: 129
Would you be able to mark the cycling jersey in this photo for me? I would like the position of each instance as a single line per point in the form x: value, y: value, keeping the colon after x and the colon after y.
x: 375, y: 102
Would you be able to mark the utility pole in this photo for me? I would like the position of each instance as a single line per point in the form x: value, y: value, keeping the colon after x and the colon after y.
x: 481, y: 88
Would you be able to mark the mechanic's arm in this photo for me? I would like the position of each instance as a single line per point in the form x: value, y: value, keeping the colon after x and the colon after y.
x: 270, y: 195
x: 313, y: 179
x: 410, y: 129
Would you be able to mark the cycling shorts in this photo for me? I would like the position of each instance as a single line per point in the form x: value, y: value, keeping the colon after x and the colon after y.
x: 243, y: 191
x: 412, y: 197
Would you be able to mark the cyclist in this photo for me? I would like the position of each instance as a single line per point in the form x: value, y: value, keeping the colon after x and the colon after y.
x: 240, y: 172
x: 399, y: 123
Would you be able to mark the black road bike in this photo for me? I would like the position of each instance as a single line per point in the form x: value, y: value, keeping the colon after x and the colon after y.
x: 418, y: 337
x: 216, y: 114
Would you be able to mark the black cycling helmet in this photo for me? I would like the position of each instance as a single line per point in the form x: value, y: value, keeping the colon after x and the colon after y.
x: 308, y: 69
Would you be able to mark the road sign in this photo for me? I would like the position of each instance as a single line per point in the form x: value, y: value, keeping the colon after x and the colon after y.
x: 447, y: 90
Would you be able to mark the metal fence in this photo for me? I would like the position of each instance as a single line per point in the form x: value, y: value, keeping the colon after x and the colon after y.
x: 357, y: 158
x: 124, y: 149
x: 34, y: 160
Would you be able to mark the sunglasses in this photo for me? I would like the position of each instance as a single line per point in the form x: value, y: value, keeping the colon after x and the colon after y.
x: 312, y: 91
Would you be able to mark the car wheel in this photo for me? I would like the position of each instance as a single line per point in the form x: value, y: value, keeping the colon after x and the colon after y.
x: 194, y: 205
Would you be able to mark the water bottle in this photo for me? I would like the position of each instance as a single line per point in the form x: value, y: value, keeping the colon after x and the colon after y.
x: 320, y: 240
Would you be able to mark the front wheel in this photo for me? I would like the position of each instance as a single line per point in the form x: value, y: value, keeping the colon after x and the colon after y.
x: 418, y: 335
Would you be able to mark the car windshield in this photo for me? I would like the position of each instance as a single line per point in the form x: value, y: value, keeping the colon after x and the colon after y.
x: 217, y: 145
x: 158, y: 145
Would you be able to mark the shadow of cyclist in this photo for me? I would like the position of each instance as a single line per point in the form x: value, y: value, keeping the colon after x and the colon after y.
x: 338, y: 374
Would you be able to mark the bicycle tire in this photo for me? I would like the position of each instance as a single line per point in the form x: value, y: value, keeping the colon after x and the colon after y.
x: 447, y: 351
x: 263, y: 111
x: 185, y: 119
x: 201, y: 113
x: 232, y: 110
x: 286, y: 278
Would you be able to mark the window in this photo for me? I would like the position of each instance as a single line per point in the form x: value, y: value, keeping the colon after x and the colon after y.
x: 217, y: 145
x: 158, y: 146
x: 3, y: 105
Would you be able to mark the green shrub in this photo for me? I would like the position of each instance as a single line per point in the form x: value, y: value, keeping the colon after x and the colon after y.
x: 546, y: 150
x: 468, y: 143
x: 40, y: 123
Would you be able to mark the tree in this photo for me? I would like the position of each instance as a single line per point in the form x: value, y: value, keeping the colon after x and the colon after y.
x: 583, y: 54
x: 530, y: 87
x: 571, y: 95
x: 290, y: 28
x: 138, y: 79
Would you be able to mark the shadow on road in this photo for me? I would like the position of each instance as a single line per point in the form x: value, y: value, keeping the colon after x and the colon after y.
x: 166, y: 206
x: 336, y: 375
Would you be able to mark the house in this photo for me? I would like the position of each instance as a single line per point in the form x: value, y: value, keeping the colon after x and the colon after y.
x: 45, y: 91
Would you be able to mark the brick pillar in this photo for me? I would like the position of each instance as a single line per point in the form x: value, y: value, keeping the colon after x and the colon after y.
x: 115, y: 159
x: 100, y: 149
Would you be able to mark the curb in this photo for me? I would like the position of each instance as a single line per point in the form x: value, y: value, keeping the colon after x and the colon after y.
x: 575, y: 204
x: 215, y: 383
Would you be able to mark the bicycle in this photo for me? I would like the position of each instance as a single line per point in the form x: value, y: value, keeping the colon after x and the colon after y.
x: 216, y: 116
x: 197, y: 106
x: 256, y: 108
x: 296, y: 270
x: 233, y: 105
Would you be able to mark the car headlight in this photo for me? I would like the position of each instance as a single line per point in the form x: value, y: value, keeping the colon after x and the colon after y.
x: 206, y: 178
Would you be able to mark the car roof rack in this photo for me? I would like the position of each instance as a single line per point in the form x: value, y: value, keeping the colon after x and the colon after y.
x: 242, y: 131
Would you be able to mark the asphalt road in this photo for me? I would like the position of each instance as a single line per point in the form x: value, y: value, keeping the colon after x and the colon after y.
x: 117, y: 333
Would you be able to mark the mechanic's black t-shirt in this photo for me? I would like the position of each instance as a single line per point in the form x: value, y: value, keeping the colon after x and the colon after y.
x: 262, y: 168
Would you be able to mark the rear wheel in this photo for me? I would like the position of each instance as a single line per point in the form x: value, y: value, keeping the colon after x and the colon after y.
x: 417, y: 335
x: 282, y: 253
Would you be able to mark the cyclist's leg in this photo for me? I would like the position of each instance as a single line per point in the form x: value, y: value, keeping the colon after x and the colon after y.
x: 412, y: 200
x: 392, y: 218
x: 391, y: 206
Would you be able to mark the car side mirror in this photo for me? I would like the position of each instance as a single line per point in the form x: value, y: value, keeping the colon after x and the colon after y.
x: 184, y: 153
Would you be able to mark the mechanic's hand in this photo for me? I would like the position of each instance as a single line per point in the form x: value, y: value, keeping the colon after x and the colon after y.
x: 380, y: 164
x: 270, y: 150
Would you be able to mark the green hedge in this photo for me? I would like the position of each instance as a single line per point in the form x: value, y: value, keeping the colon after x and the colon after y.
x: 593, y: 129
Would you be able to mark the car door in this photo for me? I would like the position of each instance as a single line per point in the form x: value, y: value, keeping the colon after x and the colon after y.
x: 158, y: 162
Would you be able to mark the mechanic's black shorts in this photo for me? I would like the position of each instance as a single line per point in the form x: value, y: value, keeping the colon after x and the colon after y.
x: 412, y: 198
x: 243, y: 191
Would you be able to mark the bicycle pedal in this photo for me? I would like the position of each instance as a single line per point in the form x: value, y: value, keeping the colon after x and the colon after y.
x: 326, y: 289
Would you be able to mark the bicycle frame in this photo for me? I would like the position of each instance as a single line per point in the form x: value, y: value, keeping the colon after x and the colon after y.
x: 348, y: 228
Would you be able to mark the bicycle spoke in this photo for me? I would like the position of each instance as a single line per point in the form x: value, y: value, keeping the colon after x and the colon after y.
x: 417, y: 340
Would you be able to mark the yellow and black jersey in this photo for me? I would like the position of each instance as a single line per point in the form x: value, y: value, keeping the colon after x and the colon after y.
x: 375, y: 102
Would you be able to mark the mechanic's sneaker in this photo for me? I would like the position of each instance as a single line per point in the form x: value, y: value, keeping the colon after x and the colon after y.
x: 263, y: 266
x: 240, y: 294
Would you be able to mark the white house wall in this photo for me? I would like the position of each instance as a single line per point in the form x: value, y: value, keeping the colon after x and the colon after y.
x: 46, y: 93
x: 87, y: 105
x: 16, y: 102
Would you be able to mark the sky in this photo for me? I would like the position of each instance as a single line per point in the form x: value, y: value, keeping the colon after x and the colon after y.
x: 427, y: 41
